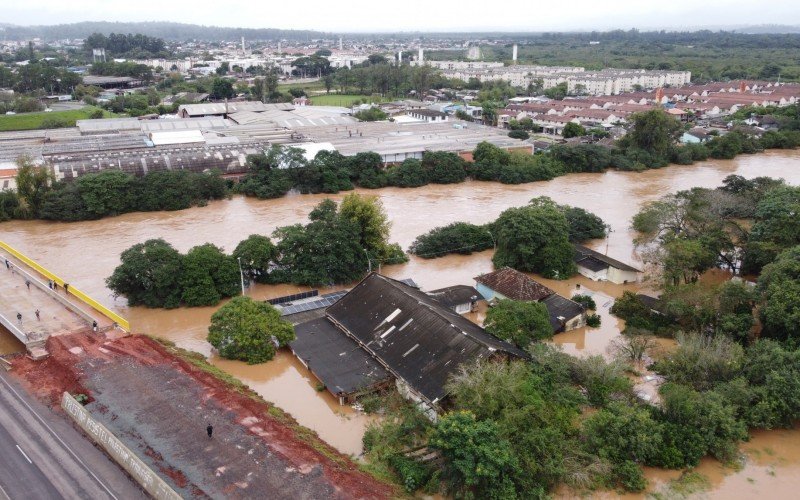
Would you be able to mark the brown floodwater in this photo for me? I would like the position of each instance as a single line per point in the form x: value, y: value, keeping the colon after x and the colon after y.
x: 86, y: 253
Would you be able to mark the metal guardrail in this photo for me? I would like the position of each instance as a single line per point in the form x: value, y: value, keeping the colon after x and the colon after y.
x: 86, y: 299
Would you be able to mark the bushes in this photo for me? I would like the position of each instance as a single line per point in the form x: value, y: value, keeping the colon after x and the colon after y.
x: 519, y: 322
x: 586, y: 301
x: 371, y: 115
x: 458, y: 237
x: 111, y: 192
x: 519, y: 134
x: 496, y: 164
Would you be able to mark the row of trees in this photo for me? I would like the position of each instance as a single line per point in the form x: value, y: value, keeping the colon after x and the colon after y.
x: 106, y: 193
x: 534, y: 238
x: 338, y: 245
x: 131, y: 46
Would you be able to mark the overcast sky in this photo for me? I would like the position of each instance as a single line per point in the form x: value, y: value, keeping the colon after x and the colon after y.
x: 432, y: 15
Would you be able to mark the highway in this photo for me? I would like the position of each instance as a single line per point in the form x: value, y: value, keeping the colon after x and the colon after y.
x: 43, y: 456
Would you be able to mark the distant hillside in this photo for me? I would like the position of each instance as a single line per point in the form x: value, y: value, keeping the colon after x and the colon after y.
x: 768, y: 29
x: 165, y: 30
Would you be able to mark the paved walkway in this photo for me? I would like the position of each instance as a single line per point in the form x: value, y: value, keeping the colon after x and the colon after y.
x: 16, y: 297
x: 23, y: 291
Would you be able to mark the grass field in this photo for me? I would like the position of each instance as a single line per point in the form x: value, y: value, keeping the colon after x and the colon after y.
x: 31, y: 121
x: 308, y: 87
x: 345, y: 100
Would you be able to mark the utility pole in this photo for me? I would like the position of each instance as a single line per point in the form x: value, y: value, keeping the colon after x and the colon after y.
x: 241, y: 274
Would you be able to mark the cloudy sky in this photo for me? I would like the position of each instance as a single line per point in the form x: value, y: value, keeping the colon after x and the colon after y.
x: 435, y: 15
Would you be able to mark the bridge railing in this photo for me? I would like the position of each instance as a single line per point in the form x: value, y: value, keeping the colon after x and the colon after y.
x: 74, y: 291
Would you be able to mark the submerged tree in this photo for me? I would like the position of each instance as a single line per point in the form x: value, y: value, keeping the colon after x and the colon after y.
x: 248, y: 330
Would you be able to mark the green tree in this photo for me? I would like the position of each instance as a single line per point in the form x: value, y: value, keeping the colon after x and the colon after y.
x: 9, y: 205
x: 534, y: 238
x: 478, y: 461
x: 33, y: 184
x: 458, y: 237
x: 256, y: 254
x: 519, y: 322
x: 408, y: 174
x: 247, y: 330
x: 149, y: 275
x: 325, y: 251
x: 373, y: 224
x: 208, y: 276
x: 105, y: 193
x: 622, y: 432
x: 701, y: 361
x: 221, y: 88
x: 655, y: 132
x: 779, y: 287
x: 519, y: 134
x: 573, y: 129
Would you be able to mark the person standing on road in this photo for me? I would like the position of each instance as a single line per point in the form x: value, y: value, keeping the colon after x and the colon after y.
x: 19, y: 318
x: 37, y: 315
x: 94, y: 326
x: 28, y: 284
x: 210, y: 430
x: 50, y: 284
x: 8, y: 266
x: 66, y: 288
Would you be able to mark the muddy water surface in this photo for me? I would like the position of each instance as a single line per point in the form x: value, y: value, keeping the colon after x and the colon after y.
x: 86, y: 253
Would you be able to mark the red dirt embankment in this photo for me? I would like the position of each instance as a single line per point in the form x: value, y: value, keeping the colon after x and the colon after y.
x: 77, y: 360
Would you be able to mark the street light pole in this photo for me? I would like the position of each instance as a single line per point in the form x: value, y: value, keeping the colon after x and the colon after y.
x: 241, y: 274
x: 494, y: 243
x: 369, y: 262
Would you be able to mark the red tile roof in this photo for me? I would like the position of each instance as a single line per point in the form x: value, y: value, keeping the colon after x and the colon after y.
x: 514, y: 285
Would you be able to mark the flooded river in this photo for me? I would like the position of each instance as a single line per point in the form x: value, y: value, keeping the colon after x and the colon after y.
x: 85, y: 253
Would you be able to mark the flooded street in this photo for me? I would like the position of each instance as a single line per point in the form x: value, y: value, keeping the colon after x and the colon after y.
x: 86, y: 253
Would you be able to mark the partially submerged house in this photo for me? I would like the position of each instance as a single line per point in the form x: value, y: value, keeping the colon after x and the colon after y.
x: 599, y: 267
x: 459, y: 298
x: 415, y: 338
x: 508, y: 283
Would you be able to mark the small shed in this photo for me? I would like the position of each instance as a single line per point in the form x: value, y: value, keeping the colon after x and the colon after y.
x: 459, y: 298
x: 599, y: 267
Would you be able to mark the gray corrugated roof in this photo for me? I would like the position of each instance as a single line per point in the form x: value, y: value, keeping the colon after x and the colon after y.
x: 561, y: 307
x: 453, y: 296
x: 416, y: 338
x: 335, y: 359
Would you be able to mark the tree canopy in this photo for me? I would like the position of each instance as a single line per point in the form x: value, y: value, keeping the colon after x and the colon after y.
x: 248, y: 330
x: 535, y: 238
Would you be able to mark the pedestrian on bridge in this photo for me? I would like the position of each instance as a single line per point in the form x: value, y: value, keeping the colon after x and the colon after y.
x: 8, y: 266
x: 66, y: 288
x: 28, y: 284
x: 19, y: 318
x: 94, y: 326
x: 50, y: 284
x: 37, y: 315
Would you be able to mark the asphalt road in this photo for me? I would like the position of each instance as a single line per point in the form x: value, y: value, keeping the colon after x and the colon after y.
x: 42, y: 456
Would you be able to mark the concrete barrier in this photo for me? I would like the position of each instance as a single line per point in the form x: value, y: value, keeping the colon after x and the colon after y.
x: 119, y: 320
x: 147, y: 479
